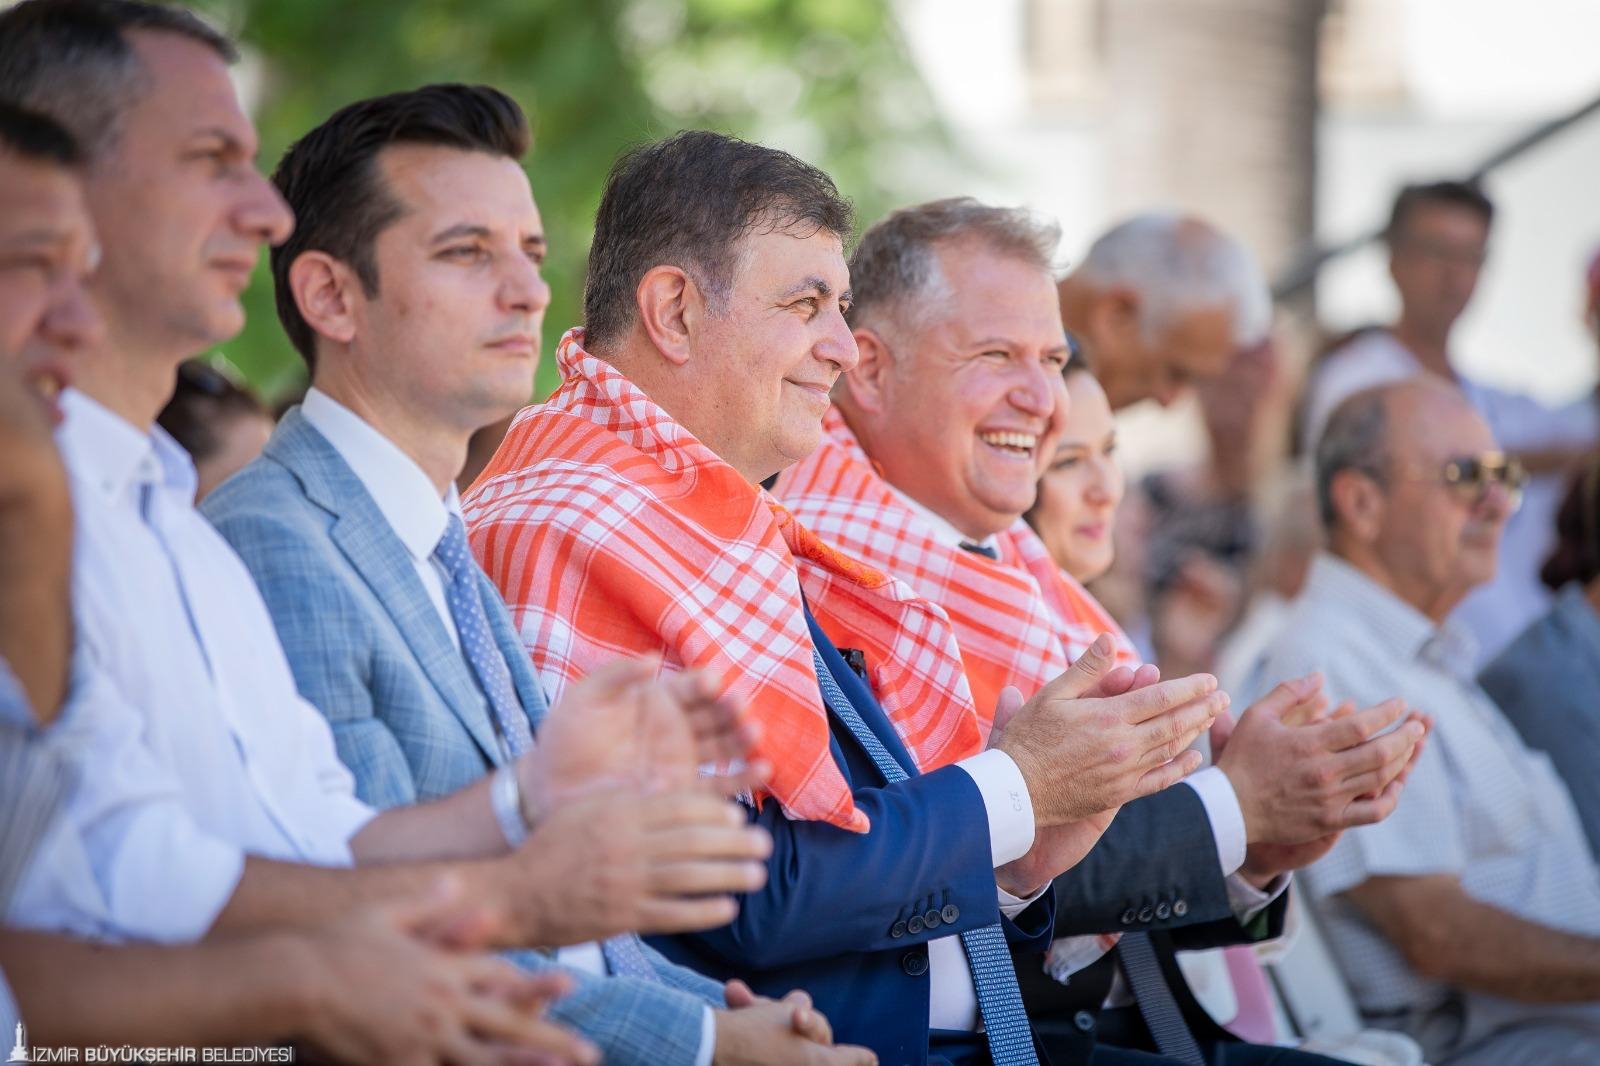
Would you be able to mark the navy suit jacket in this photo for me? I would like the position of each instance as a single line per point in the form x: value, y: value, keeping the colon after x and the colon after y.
x: 832, y: 917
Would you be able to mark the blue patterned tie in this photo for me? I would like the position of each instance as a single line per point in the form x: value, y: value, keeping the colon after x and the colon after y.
x: 477, y: 641
x: 993, y: 973
x: 624, y: 955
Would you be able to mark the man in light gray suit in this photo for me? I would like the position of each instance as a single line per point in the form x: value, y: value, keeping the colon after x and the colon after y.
x: 412, y: 288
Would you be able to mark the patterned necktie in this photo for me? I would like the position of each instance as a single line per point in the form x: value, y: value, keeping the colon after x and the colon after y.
x: 993, y: 974
x: 1156, y: 1005
x: 624, y: 954
x: 477, y: 641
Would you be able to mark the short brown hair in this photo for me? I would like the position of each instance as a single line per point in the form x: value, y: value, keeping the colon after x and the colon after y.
x: 1462, y: 194
x: 686, y: 201
x: 331, y: 180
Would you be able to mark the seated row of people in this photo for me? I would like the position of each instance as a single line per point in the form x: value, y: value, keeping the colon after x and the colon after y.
x: 960, y: 788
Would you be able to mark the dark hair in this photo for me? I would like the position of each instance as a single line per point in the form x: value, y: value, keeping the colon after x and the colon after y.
x: 71, y: 59
x: 686, y: 201
x: 1577, y: 553
x: 1355, y: 438
x: 36, y: 138
x: 204, y: 402
x: 330, y: 177
x: 1448, y: 193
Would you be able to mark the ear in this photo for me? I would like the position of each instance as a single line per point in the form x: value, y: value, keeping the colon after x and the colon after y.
x: 326, y: 290
x: 867, y: 384
x: 671, y: 309
x: 1116, y: 313
x: 1359, y: 503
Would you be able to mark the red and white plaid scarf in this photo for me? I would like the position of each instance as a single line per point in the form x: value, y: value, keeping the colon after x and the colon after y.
x: 1020, y: 620
x: 611, y: 531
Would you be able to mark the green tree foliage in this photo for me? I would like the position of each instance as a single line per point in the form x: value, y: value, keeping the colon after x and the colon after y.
x: 826, y: 79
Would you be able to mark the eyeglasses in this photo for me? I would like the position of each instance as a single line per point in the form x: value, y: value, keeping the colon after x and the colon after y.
x: 1470, y: 477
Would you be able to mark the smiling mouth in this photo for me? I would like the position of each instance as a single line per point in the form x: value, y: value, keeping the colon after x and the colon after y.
x: 1012, y: 443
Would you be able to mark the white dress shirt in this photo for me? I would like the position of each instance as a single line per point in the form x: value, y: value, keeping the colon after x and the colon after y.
x: 1479, y: 805
x: 418, y: 515
x: 197, y: 747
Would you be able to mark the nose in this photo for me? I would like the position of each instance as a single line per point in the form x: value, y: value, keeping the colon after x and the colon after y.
x: 838, y: 345
x: 1036, y: 393
x: 1496, y: 501
x: 261, y: 212
x: 72, y: 321
x: 1098, y: 490
x: 523, y: 287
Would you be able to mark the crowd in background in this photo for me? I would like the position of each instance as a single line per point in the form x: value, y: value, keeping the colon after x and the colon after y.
x: 802, y: 682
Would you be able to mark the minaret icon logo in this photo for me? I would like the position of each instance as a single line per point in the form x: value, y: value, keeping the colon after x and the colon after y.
x: 19, y: 1051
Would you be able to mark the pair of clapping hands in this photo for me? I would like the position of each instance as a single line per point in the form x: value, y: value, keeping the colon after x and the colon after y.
x: 1102, y: 735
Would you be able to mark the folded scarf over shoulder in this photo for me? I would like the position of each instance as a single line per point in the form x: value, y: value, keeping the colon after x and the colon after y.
x: 611, y: 531
x: 1020, y: 619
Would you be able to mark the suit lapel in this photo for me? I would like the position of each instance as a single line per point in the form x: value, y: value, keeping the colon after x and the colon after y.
x: 365, y: 538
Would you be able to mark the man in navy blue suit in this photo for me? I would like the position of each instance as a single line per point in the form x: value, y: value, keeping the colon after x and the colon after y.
x: 714, y: 315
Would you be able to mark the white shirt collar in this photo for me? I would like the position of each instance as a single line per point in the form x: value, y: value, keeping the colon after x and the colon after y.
x: 943, y: 530
x: 1410, y: 632
x: 109, y: 452
x: 404, y: 495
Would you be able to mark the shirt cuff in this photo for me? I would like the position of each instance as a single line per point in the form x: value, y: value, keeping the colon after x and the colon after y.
x: 1011, y: 906
x: 1247, y: 900
x: 1222, y: 810
x: 708, y: 1037
x: 1006, y: 802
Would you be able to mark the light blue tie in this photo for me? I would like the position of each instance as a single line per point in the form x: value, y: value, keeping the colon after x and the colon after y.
x: 993, y: 973
x: 624, y: 954
x: 477, y: 642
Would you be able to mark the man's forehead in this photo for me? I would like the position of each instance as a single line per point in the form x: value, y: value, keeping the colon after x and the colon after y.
x: 474, y: 189
x: 39, y: 202
x: 188, y: 89
x: 794, y: 255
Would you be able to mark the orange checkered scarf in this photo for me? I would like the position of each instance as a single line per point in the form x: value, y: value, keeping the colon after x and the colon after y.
x: 611, y: 531
x: 1020, y: 620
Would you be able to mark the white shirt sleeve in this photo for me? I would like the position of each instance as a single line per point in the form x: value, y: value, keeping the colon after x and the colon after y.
x: 1247, y: 900
x: 1005, y: 801
x: 708, y: 1037
x: 125, y: 859
x: 1222, y: 810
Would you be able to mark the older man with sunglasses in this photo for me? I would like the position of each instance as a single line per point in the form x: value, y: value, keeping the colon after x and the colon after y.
x: 1471, y: 916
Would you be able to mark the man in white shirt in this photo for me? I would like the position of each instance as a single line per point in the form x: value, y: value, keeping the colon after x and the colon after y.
x: 1438, y: 238
x: 368, y: 984
x: 214, y: 799
x: 1471, y: 917
x: 412, y: 288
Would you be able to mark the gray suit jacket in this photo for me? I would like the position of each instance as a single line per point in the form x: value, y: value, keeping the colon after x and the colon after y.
x: 369, y: 650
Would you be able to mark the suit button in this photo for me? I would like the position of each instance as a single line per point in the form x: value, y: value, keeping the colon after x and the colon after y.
x: 1083, y: 1020
x: 1145, y: 914
x: 1129, y: 917
x: 932, y: 919
x: 1180, y: 908
x: 914, y: 963
x: 914, y: 924
x: 897, y: 930
x: 1163, y: 911
x: 950, y: 913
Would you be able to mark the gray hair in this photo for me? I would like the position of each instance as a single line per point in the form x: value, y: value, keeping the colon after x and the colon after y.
x: 1178, y: 263
x: 895, y: 264
x: 71, y: 59
x: 1355, y: 438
